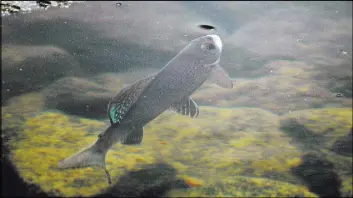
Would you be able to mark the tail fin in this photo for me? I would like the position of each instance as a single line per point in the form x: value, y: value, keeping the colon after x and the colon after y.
x: 91, y: 156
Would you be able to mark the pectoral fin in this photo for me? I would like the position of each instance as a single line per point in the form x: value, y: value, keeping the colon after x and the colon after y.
x: 220, y: 77
x: 135, y: 137
x: 186, y: 107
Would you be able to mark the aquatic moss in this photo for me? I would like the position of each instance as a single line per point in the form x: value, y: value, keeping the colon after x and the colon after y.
x: 304, y: 90
x: 320, y: 127
x: 238, y: 186
x: 24, y: 105
x: 347, y: 184
x: 15, y: 111
x: 293, y: 162
x: 52, y: 136
x: 293, y: 72
x: 288, y: 87
x: 221, y: 142
x: 246, y: 141
x: 218, y: 144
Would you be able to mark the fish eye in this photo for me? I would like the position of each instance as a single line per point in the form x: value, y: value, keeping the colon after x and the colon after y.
x: 208, y: 46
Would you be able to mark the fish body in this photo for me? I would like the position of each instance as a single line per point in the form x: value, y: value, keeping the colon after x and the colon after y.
x: 170, y: 88
x: 176, y: 81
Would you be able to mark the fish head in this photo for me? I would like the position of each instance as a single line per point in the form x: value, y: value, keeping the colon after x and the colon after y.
x: 205, y: 50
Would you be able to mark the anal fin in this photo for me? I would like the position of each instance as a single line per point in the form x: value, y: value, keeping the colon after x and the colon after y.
x: 186, y: 107
x: 135, y: 137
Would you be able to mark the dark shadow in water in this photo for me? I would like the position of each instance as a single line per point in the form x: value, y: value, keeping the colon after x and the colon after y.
x: 14, y: 186
x: 153, y: 181
x: 319, y: 176
x: 343, y: 145
x: 11, y: 182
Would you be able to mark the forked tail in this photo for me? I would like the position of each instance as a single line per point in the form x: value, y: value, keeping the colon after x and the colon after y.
x: 92, y: 156
x: 95, y: 154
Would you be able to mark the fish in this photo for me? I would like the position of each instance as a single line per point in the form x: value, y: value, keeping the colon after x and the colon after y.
x: 168, y: 89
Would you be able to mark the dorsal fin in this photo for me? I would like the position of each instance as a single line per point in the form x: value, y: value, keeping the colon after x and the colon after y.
x: 122, y: 102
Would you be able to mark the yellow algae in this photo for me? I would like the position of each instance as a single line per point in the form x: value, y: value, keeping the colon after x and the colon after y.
x: 238, y: 186
x: 37, y: 156
x: 290, y: 71
x: 272, y: 164
x: 293, y: 162
x: 226, y: 113
x: 92, y: 123
x: 347, y: 184
x: 244, y: 142
x: 179, y: 166
x: 7, y: 115
x: 29, y: 102
x: 202, y: 147
x: 304, y: 89
x: 329, y: 124
x: 164, y: 152
x: 142, y: 159
x: 133, y: 149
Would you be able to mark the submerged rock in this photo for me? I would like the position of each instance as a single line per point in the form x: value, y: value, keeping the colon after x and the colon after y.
x: 343, y: 145
x: 151, y: 181
x: 318, y: 128
x: 323, y: 131
x: 319, y: 175
x: 30, y: 68
x: 79, y: 96
x: 336, y: 78
x: 221, y: 142
x: 88, y: 97
x: 287, y: 87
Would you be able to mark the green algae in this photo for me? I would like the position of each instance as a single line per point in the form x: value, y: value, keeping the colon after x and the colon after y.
x: 318, y: 129
x: 201, y: 148
x: 238, y: 186
x: 318, y: 126
x: 219, y: 143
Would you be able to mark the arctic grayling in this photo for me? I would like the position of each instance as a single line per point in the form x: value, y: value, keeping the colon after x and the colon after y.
x: 170, y: 88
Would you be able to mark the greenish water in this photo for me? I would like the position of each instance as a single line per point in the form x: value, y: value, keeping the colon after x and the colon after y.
x: 284, y: 129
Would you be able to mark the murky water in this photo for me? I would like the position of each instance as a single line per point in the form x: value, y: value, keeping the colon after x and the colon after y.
x: 284, y: 129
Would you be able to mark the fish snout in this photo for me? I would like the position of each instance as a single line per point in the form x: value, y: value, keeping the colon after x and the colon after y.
x: 216, y: 39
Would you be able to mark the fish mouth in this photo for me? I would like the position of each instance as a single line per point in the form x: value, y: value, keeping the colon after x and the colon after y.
x: 217, y: 40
